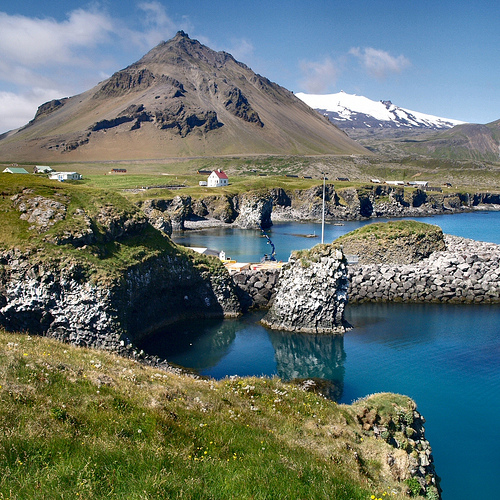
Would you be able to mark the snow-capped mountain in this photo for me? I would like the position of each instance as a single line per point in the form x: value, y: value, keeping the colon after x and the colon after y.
x: 350, y: 111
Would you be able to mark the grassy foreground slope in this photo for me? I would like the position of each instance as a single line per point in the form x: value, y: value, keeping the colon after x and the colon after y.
x: 77, y: 423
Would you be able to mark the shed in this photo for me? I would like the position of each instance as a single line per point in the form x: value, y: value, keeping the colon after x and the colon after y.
x: 15, y: 170
x: 217, y: 179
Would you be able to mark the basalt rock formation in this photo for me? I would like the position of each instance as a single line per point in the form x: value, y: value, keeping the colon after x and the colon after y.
x: 89, y: 268
x: 395, y: 242
x: 312, y: 293
x: 260, y: 209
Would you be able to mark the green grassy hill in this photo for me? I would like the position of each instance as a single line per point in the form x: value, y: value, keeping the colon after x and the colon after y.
x: 77, y: 423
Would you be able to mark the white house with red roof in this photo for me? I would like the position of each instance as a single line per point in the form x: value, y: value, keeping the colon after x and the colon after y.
x: 217, y: 179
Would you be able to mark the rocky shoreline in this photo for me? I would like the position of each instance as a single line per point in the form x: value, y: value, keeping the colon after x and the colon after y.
x: 260, y: 209
x: 466, y: 272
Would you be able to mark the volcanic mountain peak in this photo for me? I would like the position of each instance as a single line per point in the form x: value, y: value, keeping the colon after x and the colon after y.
x: 180, y: 99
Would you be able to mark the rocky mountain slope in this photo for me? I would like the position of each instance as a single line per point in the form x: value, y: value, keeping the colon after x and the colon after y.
x: 181, y: 99
x: 469, y: 141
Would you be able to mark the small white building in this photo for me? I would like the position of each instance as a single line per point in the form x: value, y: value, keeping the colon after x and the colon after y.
x: 395, y: 183
x: 42, y: 169
x: 217, y: 179
x: 15, y: 170
x: 65, y: 176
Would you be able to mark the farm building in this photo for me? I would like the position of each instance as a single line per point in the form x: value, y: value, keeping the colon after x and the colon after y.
x: 42, y: 169
x: 15, y: 170
x: 65, y: 176
x: 217, y: 179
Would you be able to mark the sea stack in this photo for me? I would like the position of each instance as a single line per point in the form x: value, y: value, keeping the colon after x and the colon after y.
x: 312, y: 293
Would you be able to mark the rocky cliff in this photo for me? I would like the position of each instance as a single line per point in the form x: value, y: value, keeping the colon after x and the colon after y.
x: 260, y: 209
x: 92, y: 269
x: 63, y: 299
x: 312, y: 293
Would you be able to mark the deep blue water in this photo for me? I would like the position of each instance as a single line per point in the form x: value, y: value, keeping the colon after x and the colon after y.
x: 446, y: 357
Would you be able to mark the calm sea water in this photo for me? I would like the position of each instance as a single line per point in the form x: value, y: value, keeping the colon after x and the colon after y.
x: 446, y: 357
x: 247, y: 245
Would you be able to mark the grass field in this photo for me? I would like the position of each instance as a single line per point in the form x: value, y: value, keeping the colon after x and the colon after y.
x: 77, y: 423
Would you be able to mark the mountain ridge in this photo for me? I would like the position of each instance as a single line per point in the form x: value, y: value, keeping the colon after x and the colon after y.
x: 350, y: 111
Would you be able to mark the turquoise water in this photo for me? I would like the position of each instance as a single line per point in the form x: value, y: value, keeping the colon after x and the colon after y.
x: 247, y: 245
x: 446, y: 357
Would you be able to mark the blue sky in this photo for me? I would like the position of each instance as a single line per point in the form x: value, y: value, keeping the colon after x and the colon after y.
x: 438, y: 57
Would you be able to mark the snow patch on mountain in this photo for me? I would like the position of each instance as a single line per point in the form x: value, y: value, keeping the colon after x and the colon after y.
x: 354, y: 111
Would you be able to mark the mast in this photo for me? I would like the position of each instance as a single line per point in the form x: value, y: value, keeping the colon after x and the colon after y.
x: 323, y: 213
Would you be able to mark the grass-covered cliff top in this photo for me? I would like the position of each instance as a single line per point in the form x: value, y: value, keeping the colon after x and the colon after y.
x: 400, y: 242
x: 97, y: 228
x: 77, y: 423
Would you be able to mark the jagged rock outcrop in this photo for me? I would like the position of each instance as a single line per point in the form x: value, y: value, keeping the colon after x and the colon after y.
x: 258, y: 209
x: 220, y: 208
x: 157, y: 214
x: 254, y: 211
x: 312, y: 293
x: 401, y: 426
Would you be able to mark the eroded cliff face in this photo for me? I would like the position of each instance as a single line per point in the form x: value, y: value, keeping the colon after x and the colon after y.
x: 260, y: 209
x: 66, y: 301
x: 312, y: 293
x: 95, y: 270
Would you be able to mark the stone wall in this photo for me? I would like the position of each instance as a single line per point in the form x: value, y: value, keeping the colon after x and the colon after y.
x: 467, y: 272
x: 256, y: 289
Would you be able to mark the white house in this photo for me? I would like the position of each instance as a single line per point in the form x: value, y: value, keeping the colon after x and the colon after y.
x: 217, y: 179
x: 65, y: 176
x: 395, y: 183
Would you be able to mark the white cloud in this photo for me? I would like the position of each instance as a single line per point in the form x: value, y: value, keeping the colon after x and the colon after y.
x: 35, y: 42
x: 379, y: 63
x: 157, y: 26
x: 318, y: 77
x: 19, y: 109
x: 241, y: 49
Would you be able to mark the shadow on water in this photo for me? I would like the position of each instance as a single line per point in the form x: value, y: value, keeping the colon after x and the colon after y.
x: 243, y: 347
x: 196, y: 344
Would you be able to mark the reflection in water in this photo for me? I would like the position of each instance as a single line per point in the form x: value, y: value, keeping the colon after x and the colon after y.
x: 244, y: 347
x: 301, y: 356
